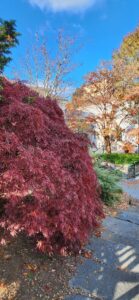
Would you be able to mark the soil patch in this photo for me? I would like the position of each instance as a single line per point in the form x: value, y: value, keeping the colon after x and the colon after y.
x: 27, y: 274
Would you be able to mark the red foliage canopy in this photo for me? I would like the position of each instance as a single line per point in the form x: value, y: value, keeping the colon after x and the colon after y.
x: 48, y: 188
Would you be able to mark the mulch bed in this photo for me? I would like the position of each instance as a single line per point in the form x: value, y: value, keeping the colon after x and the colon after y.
x: 26, y: 274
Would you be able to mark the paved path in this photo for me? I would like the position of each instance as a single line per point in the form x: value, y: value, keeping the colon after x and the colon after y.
x: 113, y: 272
x: 131, y: 186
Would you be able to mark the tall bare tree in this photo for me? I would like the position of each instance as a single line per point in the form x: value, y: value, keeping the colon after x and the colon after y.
x: 49, y: 70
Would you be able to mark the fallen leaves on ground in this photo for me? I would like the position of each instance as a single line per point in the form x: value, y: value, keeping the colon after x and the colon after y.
x: 120, y: 268
x: 87, y: 254
x: 97, y: 260
x: 123, y: 204
x: 3, y: 287
x: 98, y: 234
x: 31, y: 267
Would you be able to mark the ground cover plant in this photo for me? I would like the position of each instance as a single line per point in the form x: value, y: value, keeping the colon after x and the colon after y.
x: 109, y: 182
x: 48, y: 188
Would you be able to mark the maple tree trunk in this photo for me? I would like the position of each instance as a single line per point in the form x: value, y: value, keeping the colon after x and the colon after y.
x: 107, y: 143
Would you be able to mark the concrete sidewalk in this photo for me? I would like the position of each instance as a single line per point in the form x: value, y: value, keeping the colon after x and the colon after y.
x: 113, y: 271
x: 131, y: 187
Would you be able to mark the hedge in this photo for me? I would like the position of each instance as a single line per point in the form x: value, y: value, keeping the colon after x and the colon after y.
x: 119, y: 158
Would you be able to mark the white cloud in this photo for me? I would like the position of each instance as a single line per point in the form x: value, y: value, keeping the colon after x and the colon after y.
x: 64, y: 5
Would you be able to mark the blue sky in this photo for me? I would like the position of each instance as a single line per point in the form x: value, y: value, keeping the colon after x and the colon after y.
x: 99, y: 24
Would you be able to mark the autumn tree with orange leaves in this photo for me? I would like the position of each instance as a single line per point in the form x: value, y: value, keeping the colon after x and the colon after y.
x: 128, y: 53
x: 111, y: 94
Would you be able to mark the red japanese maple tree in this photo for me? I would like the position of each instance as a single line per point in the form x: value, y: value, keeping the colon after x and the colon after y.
x: 48, y: 188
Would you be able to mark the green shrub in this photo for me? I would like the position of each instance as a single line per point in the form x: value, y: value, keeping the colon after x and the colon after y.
x: 119, y: 158
x: 110, y: 190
